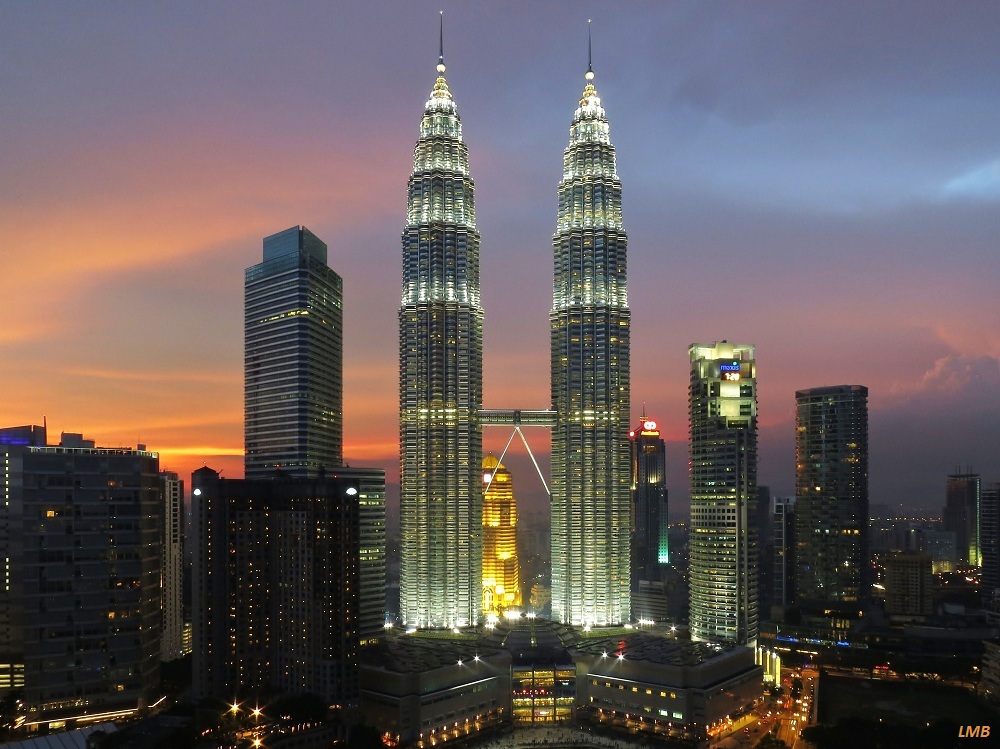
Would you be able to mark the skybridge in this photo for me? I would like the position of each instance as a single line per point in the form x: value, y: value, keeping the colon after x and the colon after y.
x: 518, y: 418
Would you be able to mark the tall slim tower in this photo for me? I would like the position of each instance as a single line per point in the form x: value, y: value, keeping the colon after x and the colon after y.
x: 293, y: 359
x: 649, y: 502
x: 831, y: 495
x: 723, y: 541
x: 440, y: 379
x: 590, y: 380
x: 989, y: 545
x: 172, y: 568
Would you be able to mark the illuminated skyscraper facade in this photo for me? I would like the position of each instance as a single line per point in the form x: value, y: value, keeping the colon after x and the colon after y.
x: 831, y: 496
x: 440, y: 379
x: 723, y: 539
x: 293, y: 359
x: 590, y: 380
x: 501, y: 571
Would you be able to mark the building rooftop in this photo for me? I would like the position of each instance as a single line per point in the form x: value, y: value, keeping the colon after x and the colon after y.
x: 651, y: 648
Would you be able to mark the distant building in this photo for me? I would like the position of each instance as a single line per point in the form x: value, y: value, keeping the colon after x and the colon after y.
x: 961, y: 516
x: 276, y: 590
x: 909, y: 585
x: 172, y: 643
x: 501, y: 571
x: 81, y: 530
x: 783, y: 515
x: 941, y: 547
x: 650, y: 543
x: 723, y: 541
x: 293, y: 358
x: 989, y: 541
x: 650, y: 546
x: 831, y: 496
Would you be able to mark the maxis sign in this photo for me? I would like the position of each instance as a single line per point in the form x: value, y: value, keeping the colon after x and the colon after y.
x: 730, y: 371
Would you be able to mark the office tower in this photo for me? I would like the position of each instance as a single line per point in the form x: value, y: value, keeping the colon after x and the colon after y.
x: 783, y: 528
x: 81, y: 599
x: 961, y: 516
x: 650, y: 549
x: 909, y: 584
x: 831, y: 496
x: 723, y: 541
x: 501, y: 570
x: 293, y: 367
x: 371, y: 550
x: 13, y: 441
x: 590, y: 380
x: 989, y: 542
x: 440, y: 379
x: 765, y: 550
x: 276, y: 586
x: 172, y: 568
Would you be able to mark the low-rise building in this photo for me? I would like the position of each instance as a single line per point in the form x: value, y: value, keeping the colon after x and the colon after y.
x: 420, y: 689
x: 647, y: 683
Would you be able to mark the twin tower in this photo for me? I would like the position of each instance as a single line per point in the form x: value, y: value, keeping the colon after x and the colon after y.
x: 441, y: 380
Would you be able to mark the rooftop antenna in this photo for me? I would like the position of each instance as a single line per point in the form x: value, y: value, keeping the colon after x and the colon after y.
x: 590, y: 54
x: 440, y: 67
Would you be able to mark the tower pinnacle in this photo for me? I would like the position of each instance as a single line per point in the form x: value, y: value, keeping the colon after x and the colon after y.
x: 440, y: 66
x: 590, y: 54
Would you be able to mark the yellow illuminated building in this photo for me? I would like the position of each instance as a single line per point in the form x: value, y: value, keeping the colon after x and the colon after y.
x: 501, y: 571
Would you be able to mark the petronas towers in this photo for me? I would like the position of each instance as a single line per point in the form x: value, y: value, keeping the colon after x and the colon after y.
x: 440, y: 380
x: 591, y: 462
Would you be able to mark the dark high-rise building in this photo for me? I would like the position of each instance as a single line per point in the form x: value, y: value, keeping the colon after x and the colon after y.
x: 765, y: 550
x: 831, y: 496
x: 172, y: 644
x: 80, y: 532
x: 440, y: 379
x: 276, y: 590
x: 650, y: 551
x: 293, y: 367
x: 723, y: 542
x: 961, y: 516
x: 989, y: 542
x: 371, y: 550
x: 783, y: 550
x: 590, y: 322
x: 909, y: 584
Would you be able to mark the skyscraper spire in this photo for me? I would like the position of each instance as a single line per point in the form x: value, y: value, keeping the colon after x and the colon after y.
x: 440, y: 377
x: 590, y: 323
x: 440, y: 67
x: 590, y: 54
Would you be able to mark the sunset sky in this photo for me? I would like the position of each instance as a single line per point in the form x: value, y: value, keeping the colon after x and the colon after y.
x: 819, y: 179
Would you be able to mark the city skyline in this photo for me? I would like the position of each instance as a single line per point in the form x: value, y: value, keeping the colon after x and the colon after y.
x: 858, y: 190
